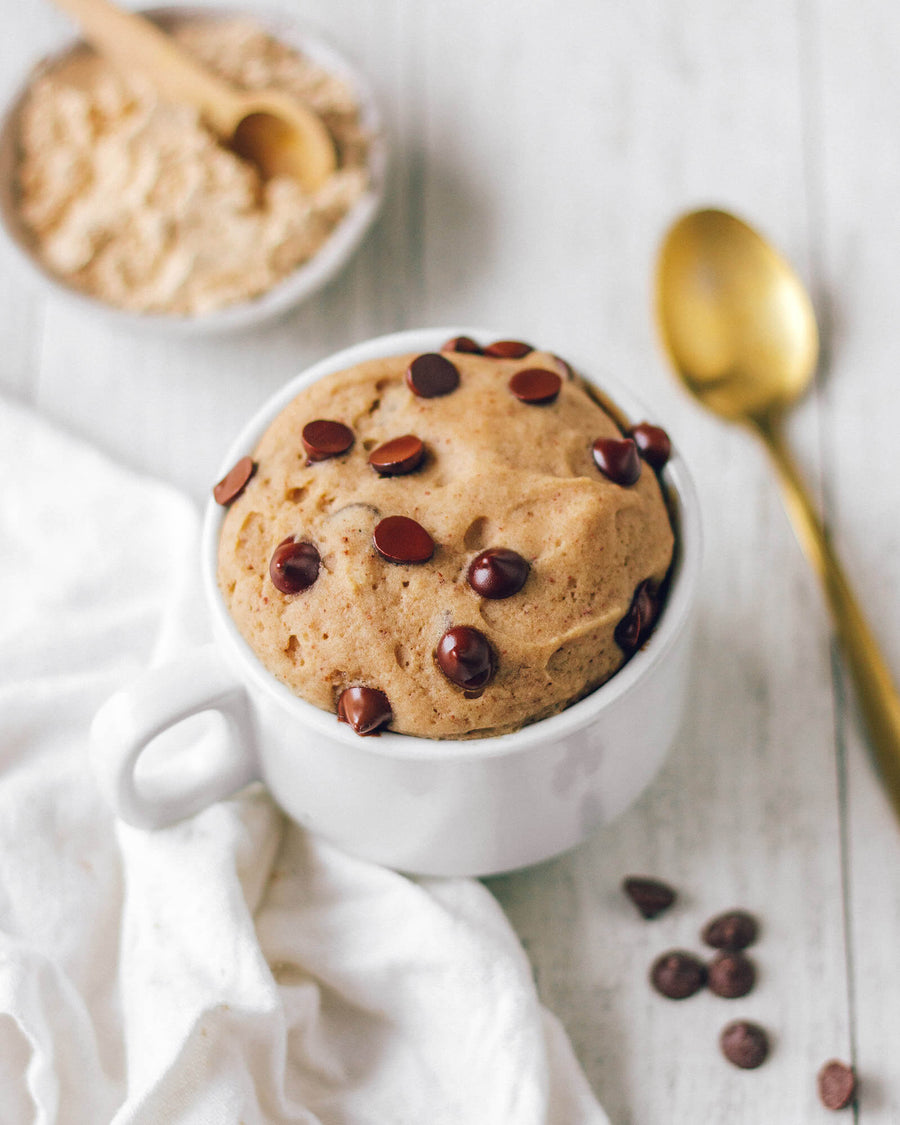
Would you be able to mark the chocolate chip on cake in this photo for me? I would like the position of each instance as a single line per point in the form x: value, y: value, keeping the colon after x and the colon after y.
x: 432, y: 375
x: 731, y: 974
x: 618, y: 460
x: 497, y: 573
x: 366, y: 709
x: 508, y: 349
x: 465, y: 657
x: 653, y: 443
x: 535, y: 385
x: 677, y: 974
x: 400, y: 539
x: 734, y: 929
x: 398, y: 456
x: 461, y: 344
x: 837, y: 1084
x: 324, y: 439
x: 650, y: 896
x: 234, y: 482
x: 294, y: 567
x: 745, y: 1044
x: 636, y: 625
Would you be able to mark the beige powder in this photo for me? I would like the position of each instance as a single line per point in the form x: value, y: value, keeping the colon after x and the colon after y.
x: 133, y: 200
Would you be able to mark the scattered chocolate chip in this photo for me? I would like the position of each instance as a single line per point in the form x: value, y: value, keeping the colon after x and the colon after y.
x: 400, y: 539
x: 366, y: 709
x: 431, y: 375
x: 294, y: 566
x: 564, y: 369
x: 234, y: 482
x: 535, y: 385
x: 653, y: 443
x: 497, y: 573
x: 508, y: 349
x: 731, y: 974
x: 636, y: 625
x: 398, y: 456
x: 837, y: 1084
x: 618, y: 459
x: 324, y: 439
x: 735, y: 929
x: 465, y: 657
x: 745, y: 1044
x: 461, y: 344
x: 650, y: 896
x: 677, y: 974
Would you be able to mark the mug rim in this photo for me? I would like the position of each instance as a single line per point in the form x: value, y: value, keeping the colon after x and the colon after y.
x: 673, y: 621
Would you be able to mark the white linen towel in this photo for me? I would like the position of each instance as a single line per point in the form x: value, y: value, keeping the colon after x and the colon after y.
x: 231, y: 968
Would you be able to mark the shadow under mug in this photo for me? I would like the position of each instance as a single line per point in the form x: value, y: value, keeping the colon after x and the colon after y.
x: 197, y: 730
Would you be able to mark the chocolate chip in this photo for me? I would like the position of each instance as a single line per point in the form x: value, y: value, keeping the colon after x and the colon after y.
x: 234, y: 482
x: 677, y: 974
x: 731, y: 974
x: 650, y: 896
x: 465, y: 657
x: 735, y: 929
x: 366, y: 709
x: 431, y: 375
x: 636, y: 625
x: 653, y: 443
x: 497, y: 573
x: 618, y: 459
x: 564, y: 368
x: 398, y: 456
x: 837, y: 1084
x: 461, y: 344
x: 294, y: 566
x: 745, y: 1044
x: 324, y: 439
x: 535, y: 385
x: 508, y: 349
x: 400, y: 539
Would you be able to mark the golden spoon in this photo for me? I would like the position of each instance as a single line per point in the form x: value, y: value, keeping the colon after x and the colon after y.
x: 267, y: 127
x: 740, y: 332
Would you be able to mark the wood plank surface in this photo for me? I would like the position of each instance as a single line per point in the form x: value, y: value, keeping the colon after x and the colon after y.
x: 539, y: 150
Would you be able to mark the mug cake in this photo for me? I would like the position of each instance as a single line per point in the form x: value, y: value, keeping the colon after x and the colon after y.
x: 447, y: 544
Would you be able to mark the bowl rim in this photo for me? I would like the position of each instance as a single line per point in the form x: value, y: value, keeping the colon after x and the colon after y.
x: 305, y: 280
x: 675, y: 618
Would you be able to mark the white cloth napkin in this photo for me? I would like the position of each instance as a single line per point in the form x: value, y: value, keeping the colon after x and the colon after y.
x: 232, y: 968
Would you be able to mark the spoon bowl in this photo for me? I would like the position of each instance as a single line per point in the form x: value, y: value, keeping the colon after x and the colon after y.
x: 740, y: 333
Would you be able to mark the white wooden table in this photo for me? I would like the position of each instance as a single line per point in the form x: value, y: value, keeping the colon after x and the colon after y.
x: 539, y: 151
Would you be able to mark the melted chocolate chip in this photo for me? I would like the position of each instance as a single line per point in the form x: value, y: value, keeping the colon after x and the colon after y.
x: 731, y: 974
x: 366, y: 709
x: 745, y: 1044
x: 508, y: 349
x: 294, y: 566
x: 618, y: 459
x: 535, y: 385
x: 431, y: 375
x: 234, y: 482
x: 400, y: 539
x: 650, y: 896
x: 735, y: 929
x: 636, y: 625
x: 497, y: 573
x: 677, y: 974
x: 465, y: 657
x: 324, y: 439
x: 837, y: 1084
x: 461, y: 344
x: 653, y: 443
x: 398, y: 456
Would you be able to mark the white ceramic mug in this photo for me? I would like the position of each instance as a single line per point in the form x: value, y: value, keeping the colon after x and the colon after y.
x: 443, y: 807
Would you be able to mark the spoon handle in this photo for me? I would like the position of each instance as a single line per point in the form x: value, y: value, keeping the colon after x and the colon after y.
x: 876, y: 693
x: 133, y: 43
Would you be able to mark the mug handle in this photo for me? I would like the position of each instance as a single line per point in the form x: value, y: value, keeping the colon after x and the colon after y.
x: 200, y: 767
